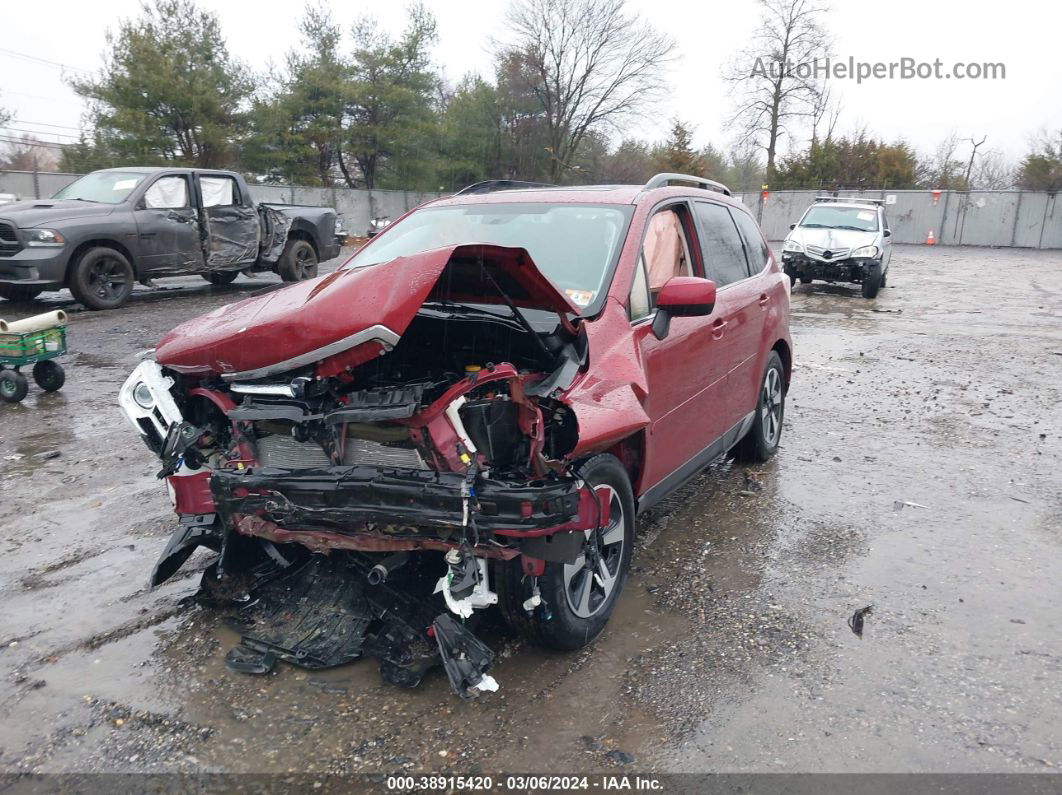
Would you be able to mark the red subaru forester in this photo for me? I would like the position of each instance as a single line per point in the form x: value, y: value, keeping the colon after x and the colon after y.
x: 470, y: 411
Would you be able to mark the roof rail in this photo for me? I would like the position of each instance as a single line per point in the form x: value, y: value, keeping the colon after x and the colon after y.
x: 662, y: 180
x: 849, y: 199
x: 492, y: 185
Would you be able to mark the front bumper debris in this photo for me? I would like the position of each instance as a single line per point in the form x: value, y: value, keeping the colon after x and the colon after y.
x: 339, y: 498
x: 843, y: 270
x: 326, y: 613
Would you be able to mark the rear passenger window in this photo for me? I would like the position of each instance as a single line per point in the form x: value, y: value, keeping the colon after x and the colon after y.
x: 755, y: 248
x: 218, y: 191
x: 724, y: 256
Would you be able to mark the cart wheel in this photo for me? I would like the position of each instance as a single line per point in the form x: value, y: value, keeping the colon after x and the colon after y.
x: 13, y: 386
x: 49, y: 375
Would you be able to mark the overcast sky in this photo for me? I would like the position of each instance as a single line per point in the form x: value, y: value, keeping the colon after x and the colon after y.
x: 1022, y: 34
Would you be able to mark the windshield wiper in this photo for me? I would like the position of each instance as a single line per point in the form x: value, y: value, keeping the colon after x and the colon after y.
x: 855, y: 228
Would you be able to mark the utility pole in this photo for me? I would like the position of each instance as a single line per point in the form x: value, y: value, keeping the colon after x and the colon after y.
x: 973, y: 154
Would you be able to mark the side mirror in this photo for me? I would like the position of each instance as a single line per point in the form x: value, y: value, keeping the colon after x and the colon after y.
x: 682, y: 296
x: 887, y: 233
x: 792, y: 226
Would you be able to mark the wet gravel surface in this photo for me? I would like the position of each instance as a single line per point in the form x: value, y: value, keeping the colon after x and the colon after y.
x: 919, y: 475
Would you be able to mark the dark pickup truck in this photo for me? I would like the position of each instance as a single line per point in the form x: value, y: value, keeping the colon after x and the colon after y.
x: 111, y: 228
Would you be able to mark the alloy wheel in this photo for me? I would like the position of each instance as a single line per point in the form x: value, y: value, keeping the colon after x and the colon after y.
x: 771, y: 407
x: 591, y: 579
x: 107, y: 279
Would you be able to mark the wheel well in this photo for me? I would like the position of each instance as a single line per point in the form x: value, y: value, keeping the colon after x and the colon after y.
x: 786, y: 356
x: 302, y: 234
x: 86, y: 245
x: 631, y: 453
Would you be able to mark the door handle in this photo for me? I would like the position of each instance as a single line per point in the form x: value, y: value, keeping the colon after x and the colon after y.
x: 718, y: 327
x: 764, y: 299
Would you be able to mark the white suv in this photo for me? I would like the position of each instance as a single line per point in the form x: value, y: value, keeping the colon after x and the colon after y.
x: 840, y: 240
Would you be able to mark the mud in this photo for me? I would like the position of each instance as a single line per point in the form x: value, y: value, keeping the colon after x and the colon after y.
x: 730, y: 649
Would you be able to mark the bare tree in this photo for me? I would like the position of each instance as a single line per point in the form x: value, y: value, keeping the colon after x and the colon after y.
x: 592, y: 63
x: 773, y: 81
x: 993, y: 172
x: 973, y: 154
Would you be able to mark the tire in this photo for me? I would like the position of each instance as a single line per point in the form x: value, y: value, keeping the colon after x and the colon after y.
x: 762, y: 439
x: 13, y: 386
x: 882, y: 284
x: 102, y: 278
x: 16, y: 292
x: 806, y: 280
x: 298, y: 262
x: 49, y: 375
x: 792, y: 274
x: 872, y: 282
x: 571, y: 618
x: 221, y: 277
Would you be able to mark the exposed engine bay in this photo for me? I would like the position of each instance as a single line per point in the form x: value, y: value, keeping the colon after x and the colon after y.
x: 445, y: 457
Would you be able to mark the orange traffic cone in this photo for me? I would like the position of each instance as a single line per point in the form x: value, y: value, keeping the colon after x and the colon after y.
x: 931, y: 240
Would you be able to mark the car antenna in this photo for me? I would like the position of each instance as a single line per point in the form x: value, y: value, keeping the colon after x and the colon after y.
x: 512, y: 308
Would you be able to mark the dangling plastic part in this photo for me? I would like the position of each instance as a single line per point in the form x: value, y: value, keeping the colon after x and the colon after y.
x: 464, y: 586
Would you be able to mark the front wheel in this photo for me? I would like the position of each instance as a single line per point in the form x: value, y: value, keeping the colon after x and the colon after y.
x: 762, y: 439
x: 872, y: 282
x: 298, y: 262
x: 806, y: 279
x: 102, y: 278
x: 13, y: 386
x: 578, y: 597
x: 221, y: 277
x: 18, y: 292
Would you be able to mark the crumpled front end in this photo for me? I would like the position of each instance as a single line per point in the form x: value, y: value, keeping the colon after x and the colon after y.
x: 448, y: 449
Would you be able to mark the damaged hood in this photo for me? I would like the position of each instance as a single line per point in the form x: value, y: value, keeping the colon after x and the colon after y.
x: 359, y: 311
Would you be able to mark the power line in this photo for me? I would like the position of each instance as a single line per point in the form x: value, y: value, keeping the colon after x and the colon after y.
x: 40, y: 132
x: 42, y: 144
x: 47, y: 124
x: 35, y: 59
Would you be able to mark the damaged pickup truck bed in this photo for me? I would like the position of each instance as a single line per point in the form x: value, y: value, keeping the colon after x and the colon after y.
x: 470, y: 412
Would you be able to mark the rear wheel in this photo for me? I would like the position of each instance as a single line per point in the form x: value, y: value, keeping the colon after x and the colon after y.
x: 221, y: 277
x: 17, y: 292
x: 102, y: 279
x: 13, y: 386
x: 298, y: 262
x: 761, y: 440
x: 578, y: 597
x: 49, y: 375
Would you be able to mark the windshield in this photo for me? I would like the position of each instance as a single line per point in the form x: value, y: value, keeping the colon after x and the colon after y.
x: 573, y: 245
x: 825, y: 217
x: 108, y: 187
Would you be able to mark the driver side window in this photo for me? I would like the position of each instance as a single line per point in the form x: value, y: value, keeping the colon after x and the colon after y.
x: 168, y: 193
x: 665, y: 254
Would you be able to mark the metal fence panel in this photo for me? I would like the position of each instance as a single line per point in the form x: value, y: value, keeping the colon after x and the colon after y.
x: 977, y: 218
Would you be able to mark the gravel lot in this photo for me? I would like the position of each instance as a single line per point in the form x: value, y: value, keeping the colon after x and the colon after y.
x: 919, y: 473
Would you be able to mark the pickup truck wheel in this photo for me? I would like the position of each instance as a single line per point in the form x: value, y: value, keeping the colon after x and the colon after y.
x: 298, y: 262
x: 761, y: 440
x: 102, y: 278
x: 577, y: 598
x: 221, y: 277
x: 16, y: 292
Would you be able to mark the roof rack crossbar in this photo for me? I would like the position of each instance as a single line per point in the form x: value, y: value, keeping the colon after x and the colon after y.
x: 849, y: 199
x: 665, y: 179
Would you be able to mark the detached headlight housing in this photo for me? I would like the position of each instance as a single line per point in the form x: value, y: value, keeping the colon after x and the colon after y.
x: 868, y: 252
x: 43, y: 238
x: 792, y: 247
